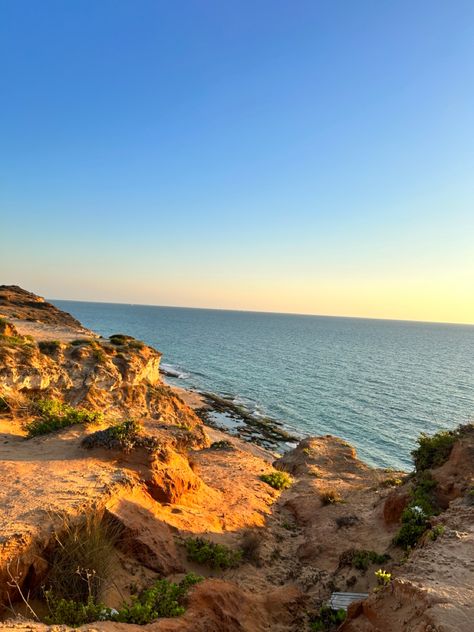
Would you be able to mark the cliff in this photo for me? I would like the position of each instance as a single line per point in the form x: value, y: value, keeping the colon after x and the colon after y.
x: 94, y: 445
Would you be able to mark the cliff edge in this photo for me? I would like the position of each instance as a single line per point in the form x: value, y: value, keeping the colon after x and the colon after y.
x: 122, y: 511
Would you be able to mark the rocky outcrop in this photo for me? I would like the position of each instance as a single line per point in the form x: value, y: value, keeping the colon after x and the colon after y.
x: 17, y: 303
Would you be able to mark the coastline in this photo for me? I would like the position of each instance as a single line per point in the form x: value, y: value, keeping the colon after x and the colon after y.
x: 225, y: 416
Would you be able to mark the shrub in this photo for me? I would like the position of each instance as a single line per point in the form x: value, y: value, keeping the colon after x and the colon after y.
x: 163, y: 599
x: 250, y: 545
x: 434, y: 451
x: 48, y: 347
x: 74, y: 613
x: 346, y: 521
x: 436, y: 532
x: 82, y: 341
x: 392, y: 481
x: 331, y: 497
x: 362, y: 559
x: 211, y: 554
x: 415, y: 518
x: 221, y: 445
x: 123, y: 436
x: 328, y: 619
x: 277, y: 480
x: 82, y: 560
x: 54, y: 415
x: 121, y: 340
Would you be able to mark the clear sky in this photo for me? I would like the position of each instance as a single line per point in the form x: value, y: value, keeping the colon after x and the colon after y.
x: 300, y: 156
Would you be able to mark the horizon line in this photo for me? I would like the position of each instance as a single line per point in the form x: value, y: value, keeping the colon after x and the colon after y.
x: 255, y: 311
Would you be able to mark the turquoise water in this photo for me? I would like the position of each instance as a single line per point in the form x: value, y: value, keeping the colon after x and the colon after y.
x: 375, y: 383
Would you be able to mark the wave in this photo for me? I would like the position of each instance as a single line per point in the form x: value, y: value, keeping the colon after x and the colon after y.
x: 173, y: 371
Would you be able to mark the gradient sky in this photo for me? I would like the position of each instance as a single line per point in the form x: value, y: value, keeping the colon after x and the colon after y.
x: 313, y: 157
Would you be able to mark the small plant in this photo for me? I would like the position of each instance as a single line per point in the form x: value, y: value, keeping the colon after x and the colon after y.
x: 250, y: 545
x: 434, y: 451
x: 163, y: 599
x: 121, y: 340
x: 331, y: 497
x: 211, y: 554
x: 277, y: 480
x: 383, y: 577
x: 124, y: 436
x: 82, y: 341
x: 49, y: 347
x: 221, y: 445
x: 55, y: 415
x: 361, y: 558
x: 74, y: 613
x: 436, y: 531
x: 346, y: 521
x: 392, y: 481
x: 328, y: 619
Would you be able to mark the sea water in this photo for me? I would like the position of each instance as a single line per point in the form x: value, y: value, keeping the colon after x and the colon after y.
x: 376, y: 383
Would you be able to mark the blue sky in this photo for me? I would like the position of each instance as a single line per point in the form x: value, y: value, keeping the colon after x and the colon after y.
x: 311, y: 157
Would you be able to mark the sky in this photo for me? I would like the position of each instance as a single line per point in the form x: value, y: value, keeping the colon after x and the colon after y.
x: 298, y: 156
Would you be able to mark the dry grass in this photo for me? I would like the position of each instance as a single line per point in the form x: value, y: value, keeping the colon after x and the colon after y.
x: 83, y: 558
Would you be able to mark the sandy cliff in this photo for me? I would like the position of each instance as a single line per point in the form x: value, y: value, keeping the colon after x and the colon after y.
x: 175, y: 479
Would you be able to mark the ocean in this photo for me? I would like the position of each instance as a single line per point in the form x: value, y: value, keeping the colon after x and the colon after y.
x: 376, y: 383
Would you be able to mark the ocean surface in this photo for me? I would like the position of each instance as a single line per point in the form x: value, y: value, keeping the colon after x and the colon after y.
x: 378, y: 384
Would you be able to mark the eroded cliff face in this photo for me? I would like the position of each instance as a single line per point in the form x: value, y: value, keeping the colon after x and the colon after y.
x: 183, y: 480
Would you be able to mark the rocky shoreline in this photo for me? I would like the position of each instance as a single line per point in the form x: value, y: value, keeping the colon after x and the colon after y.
x: 92, y: 439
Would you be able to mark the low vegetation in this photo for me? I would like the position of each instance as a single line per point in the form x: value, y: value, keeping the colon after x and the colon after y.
x: 121, y: 340
x: 217, y: 556
x: 124, y: 436
x: 163, y: 599
x: 416, y: 517
x: 277, y: 480
x: 331, y: 497
x: 83, y: 558
x: 221, y: 445
x: 361, y: 559
x: 49, y: 347
x: 328, y: 619
x: 435, y: 450
x: 81, y: 568
x: 52, y: 414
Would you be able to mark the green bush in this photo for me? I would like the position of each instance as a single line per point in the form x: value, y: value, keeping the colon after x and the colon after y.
x: 123, y: 436
x: 74, y: 613
x: 121, y: 340
x: 328, y: 619
x: 55, y: 415
x: 211, y: 554
x: 163, y: 599
x: 48, y: 347
x: 434, y: 451
x: 277, y: 480
x: 362, y: 559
